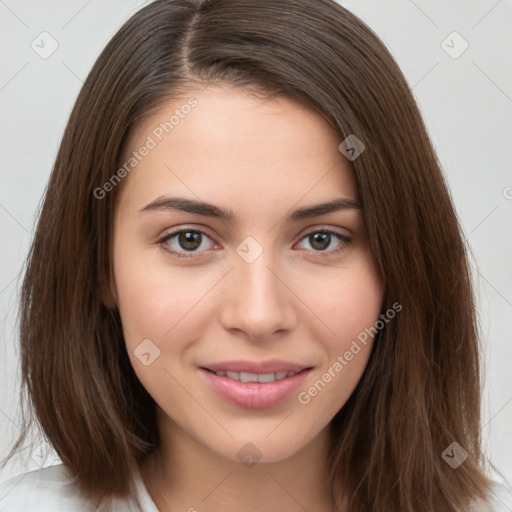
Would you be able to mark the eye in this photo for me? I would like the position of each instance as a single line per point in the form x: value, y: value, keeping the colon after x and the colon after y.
x: 190, y: 241
x: 184, y: 241
x: 321, y: 239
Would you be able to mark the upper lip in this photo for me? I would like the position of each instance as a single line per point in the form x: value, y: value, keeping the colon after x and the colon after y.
x: 260, y: 367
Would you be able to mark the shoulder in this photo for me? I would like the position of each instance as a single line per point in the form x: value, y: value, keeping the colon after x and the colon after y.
x: 53, y: 489
x: 47, y: 489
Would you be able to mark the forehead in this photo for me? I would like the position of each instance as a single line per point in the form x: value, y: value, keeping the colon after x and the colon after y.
x: 231, y: 146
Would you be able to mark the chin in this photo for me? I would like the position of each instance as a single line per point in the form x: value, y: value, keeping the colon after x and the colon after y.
x: 262, y: 447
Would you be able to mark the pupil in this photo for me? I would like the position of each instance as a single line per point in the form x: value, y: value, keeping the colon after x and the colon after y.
x: 321, y: 238
x: 189, y: 240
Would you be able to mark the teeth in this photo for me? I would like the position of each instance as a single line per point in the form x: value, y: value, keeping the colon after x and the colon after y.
x: 254, y: 377
x: 266, y: 377
x: 248, y: 377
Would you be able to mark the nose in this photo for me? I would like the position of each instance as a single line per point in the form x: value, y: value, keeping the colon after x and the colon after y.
x: 259, y: 303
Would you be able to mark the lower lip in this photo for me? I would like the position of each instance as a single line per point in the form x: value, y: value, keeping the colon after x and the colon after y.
x: 254, y: 395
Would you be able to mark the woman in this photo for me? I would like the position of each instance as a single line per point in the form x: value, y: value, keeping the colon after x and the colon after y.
x: 248, y: 288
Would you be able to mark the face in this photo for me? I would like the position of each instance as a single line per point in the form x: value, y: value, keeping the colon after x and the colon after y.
x: 242, y: 318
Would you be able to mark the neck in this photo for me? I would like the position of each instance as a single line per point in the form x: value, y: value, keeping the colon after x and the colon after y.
x: 183, y: 474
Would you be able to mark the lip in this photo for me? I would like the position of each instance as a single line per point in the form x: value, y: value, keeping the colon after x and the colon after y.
x: 254, y: 395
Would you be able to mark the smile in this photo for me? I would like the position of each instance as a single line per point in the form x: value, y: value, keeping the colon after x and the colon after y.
x: 255, y: 377
x: 254, y: 390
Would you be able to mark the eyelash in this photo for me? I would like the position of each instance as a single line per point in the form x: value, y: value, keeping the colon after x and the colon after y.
x: 345, y: 241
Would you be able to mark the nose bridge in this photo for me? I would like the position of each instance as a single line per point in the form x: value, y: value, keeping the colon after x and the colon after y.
x: 259, y: 303
x: 259, y: 284
x: 256, y: 280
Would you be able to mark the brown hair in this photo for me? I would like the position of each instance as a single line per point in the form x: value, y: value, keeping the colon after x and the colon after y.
x: 421, y: 389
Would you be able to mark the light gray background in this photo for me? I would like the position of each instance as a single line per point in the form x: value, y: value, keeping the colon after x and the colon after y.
x: 466, y: 103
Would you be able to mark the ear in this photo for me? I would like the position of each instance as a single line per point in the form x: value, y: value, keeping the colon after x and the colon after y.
x: 108, y: 293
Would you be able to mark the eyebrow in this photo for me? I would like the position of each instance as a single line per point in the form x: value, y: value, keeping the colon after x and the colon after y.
x: 210, y: 210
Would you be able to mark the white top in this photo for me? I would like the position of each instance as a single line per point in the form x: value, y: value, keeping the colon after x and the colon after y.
x: 52, y: 490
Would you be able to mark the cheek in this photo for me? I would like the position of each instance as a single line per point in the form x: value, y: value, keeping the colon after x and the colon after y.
x: 348, y: 302
x: 349, y: 305
x: 153, y: 298
x: 157, y: 312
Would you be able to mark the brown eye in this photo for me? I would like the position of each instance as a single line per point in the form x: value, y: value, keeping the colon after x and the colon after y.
x: 184, y: 241
x: 189, y: 240
x: 321, y: 240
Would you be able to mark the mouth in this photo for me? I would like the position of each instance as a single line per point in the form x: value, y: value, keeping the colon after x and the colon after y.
x: 254, y: 377
x: 254, y: 385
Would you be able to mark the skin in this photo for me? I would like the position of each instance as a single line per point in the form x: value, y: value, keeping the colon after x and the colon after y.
x: 261, y: 159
